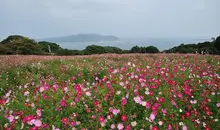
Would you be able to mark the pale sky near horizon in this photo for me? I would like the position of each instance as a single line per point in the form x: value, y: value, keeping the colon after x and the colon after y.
x: 121, y: 18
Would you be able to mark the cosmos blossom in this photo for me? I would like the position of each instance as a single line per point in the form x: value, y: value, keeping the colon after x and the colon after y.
x: 115, y: 92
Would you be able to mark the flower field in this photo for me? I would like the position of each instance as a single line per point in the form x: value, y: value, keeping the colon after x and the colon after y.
x: 122, y: 92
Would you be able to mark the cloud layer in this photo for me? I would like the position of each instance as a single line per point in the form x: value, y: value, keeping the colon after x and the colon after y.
x: 123, y: 18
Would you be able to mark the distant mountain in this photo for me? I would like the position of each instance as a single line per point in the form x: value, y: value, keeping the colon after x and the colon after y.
x: 81, y: 38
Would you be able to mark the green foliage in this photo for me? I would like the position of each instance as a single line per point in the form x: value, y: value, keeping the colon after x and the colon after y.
x: 94, y: 49
x: 135, y: 49
x: 109, y: 49
x: 202, y: 48
x: 48, y: 46
x: 217, y: 44
x: 20, y: 45
x: 17, y: 44
x: 68, y: 52
x: 149, y: 49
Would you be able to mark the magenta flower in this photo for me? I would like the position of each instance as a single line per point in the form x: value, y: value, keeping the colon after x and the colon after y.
x: 148, y: 106
x: 63, y: 103
x: 123, y: 101
x: 28, y: 118
x: 101, y: 119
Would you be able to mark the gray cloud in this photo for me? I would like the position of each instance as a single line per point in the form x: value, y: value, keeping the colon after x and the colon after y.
x: 123, y: 18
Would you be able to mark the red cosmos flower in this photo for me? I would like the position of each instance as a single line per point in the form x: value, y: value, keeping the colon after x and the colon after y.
x: 183, y: 117
x: 128, y: 127
x: 63, y: 103
x: 34, y: 128
x: 155, y: 106
x: 96, y: 102
x: 64, y: 120
x: 153, y: 86
x: 123, y: 101
x: 188, y: 114
x: 101, y: 119
x: 207, y: 128
x: 124, y: 118
x: 154, y: 128
x: 172, y: 115
x: 72, y: 123
x: 195, y: 113
x: 2, y: 101
x: 208, y: 113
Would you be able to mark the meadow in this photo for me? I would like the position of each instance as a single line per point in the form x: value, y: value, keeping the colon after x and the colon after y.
x: 110, y: 91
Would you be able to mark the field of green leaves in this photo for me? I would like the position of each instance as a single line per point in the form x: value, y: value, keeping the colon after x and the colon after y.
x: 123, y: 92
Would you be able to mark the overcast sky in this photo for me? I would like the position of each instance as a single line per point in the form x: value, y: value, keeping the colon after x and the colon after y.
x: 122, y: 18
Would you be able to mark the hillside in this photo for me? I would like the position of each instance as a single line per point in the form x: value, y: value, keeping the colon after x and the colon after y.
x: 82, y: 38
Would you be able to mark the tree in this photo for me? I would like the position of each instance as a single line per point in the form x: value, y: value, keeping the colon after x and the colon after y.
x: 217, y: 44
x: 135, y: 49
x: 94, y: 49
x: 49, y: 47
x: 152, y: 49
x: 17, y: 44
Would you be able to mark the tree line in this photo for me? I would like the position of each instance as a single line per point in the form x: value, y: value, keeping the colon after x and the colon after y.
x: 17, y: 44
x: 207, y: 47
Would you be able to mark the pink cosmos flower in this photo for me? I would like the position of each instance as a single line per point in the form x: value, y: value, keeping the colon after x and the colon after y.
x: 54, y: 128
x: 11, y: 118
x: 37, y: 123
x: 112, y: 126
x: 164, y: 111
x: 115, y: 111
x: 148, y: 106
x: 137, y: 100
x: 152, y: 116
x: 169, y: 127
x: 122, y: 84
x: 123, y: 69
x: 184, y: 127
x: 39, y: 112
x: 120, y: 126
x: 179, y: 95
